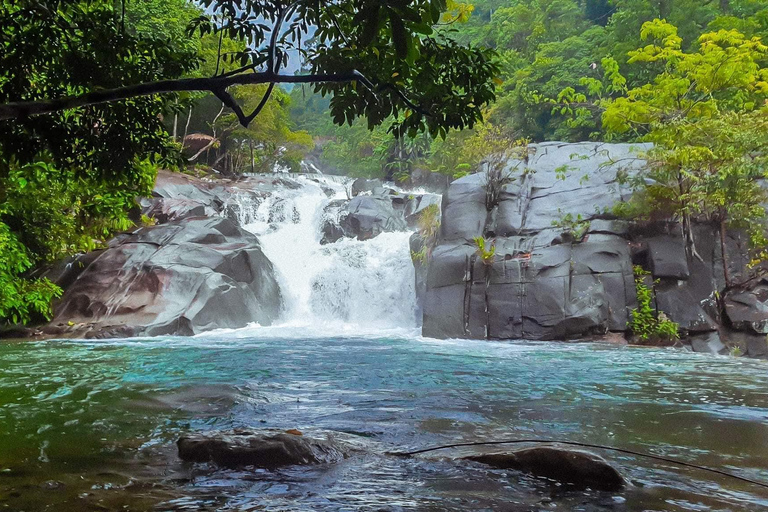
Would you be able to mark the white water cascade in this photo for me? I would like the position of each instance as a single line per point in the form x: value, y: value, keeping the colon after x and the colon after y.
x: 338, y: 286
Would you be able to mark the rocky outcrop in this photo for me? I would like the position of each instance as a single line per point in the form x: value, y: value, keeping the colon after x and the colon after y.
x: 261, y: 449
x: 179, y: 278
x: 553, y: 275
x: 563, y: 262
x: 576, y: 468
x: 177, y: 196
x: 368, y: 216
x: 373, y: 209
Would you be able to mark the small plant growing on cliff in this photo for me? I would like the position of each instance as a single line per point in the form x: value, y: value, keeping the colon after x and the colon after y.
x: 486, y: 250
x: 429, y: 223
x: 419, y: 257
x: 429, y: 228
x: 644, y: 323
x: 577, y: 226
x: 497, y: 175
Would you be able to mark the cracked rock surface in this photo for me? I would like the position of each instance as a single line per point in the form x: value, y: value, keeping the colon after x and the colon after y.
x: 563, y: 262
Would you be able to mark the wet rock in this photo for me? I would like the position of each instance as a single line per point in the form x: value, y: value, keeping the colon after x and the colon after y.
x: 747, y: 343
x: 563, y: 263
x: 361, y: 185
x: 416, y: 205
x: 368, y: 216
x: 331, y: 231
x: 681, y: 305
x: 577, y: 468
x: 464, y: 211
x: 53, y: 485
x: 757, y: 346
x: 747, y: 310
x: 262, y: 449
x: 708, y: 343
x: 180, y: 278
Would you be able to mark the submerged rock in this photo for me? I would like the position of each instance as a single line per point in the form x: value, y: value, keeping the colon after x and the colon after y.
x: 578, y: 468
x: 242, y: 447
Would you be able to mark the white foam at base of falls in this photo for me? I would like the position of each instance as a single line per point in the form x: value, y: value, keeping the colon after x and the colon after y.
x: 335, y: 286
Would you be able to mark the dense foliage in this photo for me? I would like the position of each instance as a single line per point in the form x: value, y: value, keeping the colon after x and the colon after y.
x: 562, y: 59
x: 69, y: 179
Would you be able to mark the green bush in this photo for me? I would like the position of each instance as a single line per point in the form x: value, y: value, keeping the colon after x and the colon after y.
x: 21, y: 299
x: 644, y: 323
x: 576, y: 227
x: 46, y: 214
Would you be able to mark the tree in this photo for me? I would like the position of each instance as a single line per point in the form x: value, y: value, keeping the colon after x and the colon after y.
x: 377, y: 60
x: 68, y: 180
x: 705, y: 112
x: 713, y: 169
x: 268, y: 141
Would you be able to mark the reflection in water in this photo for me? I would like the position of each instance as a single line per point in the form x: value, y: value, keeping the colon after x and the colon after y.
x: 92, y: 425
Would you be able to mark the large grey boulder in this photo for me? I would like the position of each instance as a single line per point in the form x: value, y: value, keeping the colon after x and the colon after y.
x: 177, y: 196
x: 362, y: 185
x: 368, y: 216
x: 577, y: 468
x: 261, y: 449
x: 546, y: 281
x: 180, y: 278
x: 668, y: 258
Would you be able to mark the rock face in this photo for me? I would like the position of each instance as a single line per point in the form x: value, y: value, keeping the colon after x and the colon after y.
x: 577, y: 468
x: 241, y: 447
x: 179, y: 278
x: 553, y: 275
x: 368, y: 216
x: 563, y: 262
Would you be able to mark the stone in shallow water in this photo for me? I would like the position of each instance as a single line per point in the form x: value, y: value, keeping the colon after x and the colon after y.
x: 578, y: 468
x: 263, y: 449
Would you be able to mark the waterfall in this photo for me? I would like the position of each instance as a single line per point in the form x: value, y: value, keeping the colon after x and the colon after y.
x: 343, y: 284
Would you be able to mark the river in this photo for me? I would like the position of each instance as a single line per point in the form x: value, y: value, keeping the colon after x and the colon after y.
x: 91, y: 425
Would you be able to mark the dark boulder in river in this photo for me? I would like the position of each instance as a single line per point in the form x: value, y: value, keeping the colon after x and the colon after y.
x: 242, y: 447
x: 577, y: 468
x: 183, y: 278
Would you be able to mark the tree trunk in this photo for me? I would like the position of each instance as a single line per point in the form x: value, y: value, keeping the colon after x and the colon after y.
x: 724, y: 251
x: 250, y: 143
x: 175, y: 125
x: 186, y: 127
x: 665, y: 8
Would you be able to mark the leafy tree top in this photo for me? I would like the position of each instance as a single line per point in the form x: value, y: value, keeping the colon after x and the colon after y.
x: 377, y: 59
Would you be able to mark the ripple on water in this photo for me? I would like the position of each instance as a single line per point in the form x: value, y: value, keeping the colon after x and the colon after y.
x: 110, y: 411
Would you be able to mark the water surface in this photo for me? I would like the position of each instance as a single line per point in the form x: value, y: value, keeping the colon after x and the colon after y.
x: 92, y: 425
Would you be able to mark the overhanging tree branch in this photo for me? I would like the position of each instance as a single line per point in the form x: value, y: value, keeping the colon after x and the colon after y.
x: 214, y: 85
